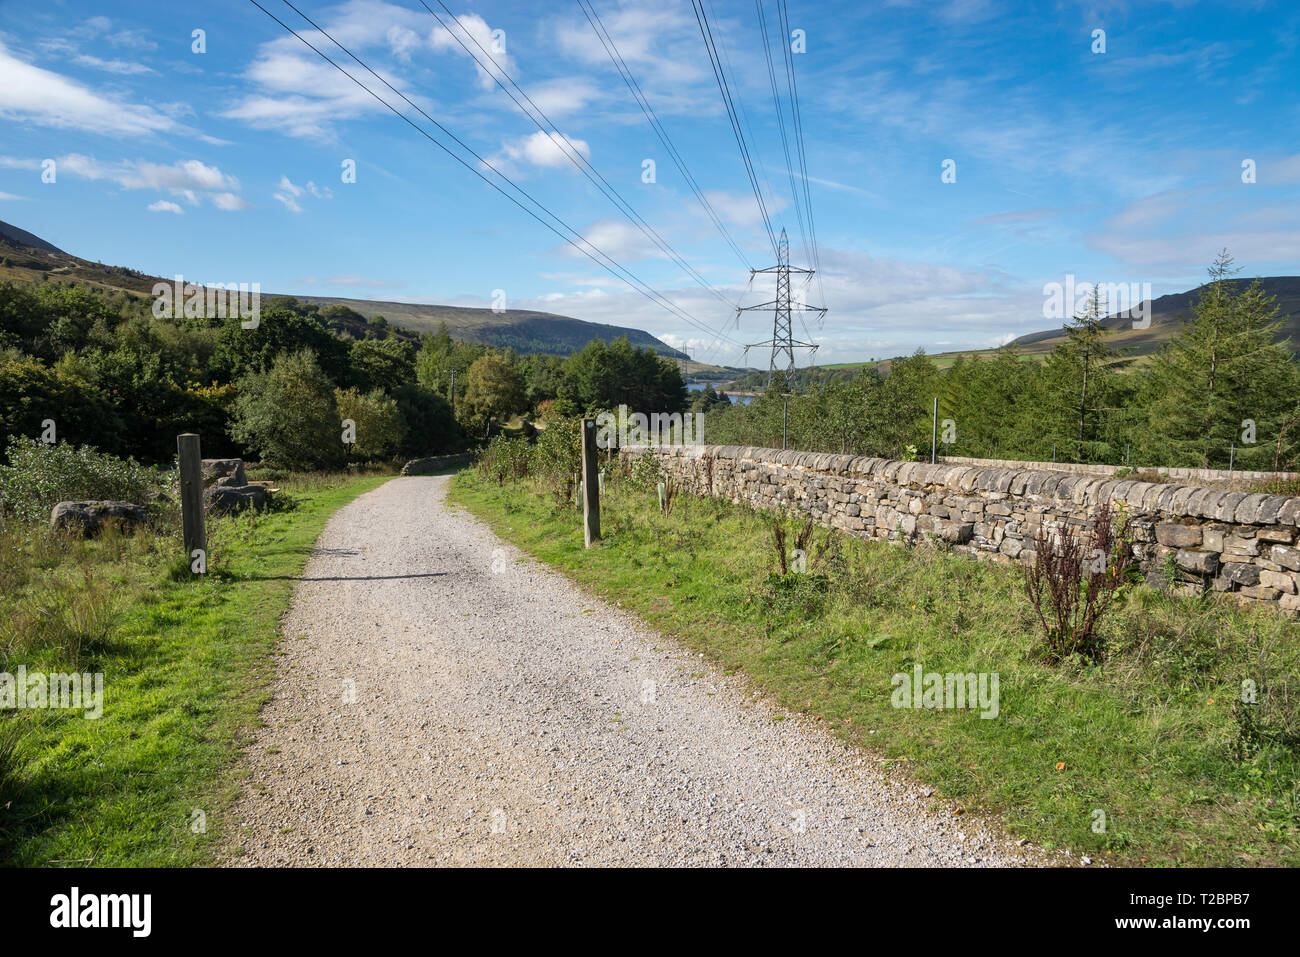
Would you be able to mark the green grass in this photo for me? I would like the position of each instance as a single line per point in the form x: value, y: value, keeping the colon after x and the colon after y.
x: 1152, y: 737
x: 186, y: 665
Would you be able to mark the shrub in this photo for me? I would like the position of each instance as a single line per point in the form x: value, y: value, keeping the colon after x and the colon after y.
x: 40, y: 476
x: 1073, y: 581
x: 378, y: 421
x: 430, y: 428
x: 504, y: 459
x: 557, y: 454
x: 644, y: 474
x: 289, y: 416
x: 31, y: 392
x: 1278, y: 486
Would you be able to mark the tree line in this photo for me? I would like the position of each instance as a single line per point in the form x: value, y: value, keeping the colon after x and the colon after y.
x: 309, y: 387
x: 1222, y: 390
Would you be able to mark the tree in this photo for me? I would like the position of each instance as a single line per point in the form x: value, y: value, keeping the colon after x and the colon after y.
x: 1076, y: 375
x: 288, y: 415
x: 495, y: 391
x: 430, y: 427
x: 706, y: 399
x: 440, y: 356
x: 241, y: 351
x: 382, y: 364
x: 377, y: 422
x: 1224, y: 368
x: 603, y: 377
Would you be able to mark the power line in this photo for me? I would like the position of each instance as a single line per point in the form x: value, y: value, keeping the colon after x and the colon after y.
x: 784, y: 15
x: 780, y: 119
x: 589, y: 10
x: 609, y: 264
x: 724, y: 88
x: 573, y: 155
x: 739, y: 101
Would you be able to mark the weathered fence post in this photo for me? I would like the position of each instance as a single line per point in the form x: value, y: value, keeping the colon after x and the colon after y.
x: 191, y: 484
x: 590, y: 485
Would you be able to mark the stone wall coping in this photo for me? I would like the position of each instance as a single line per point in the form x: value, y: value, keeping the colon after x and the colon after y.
x: 1038, y: 483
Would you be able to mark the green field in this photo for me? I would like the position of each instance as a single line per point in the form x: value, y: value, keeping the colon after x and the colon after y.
x: 1154, y: 738
x: 186, y: 667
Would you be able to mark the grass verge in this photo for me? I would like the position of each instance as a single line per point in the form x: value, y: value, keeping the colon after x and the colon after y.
x: 1149, y: 758
x: 186, y: 664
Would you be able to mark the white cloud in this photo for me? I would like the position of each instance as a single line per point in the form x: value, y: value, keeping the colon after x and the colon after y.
x: 299, y: 94
x: 189, y: 180
x: 288, y: 201
x: 228, y: 202
x: 288, y: 193
x: 402, y: 41
x: 563, y: 96
x: 165, y: 206
x: 11, y: 196
x: 33, y: 95
x: 544, y: 149
x: 473, y: 37
x: 132, y: 39
x: 742, y: 209
x: 124, y: 67
x: 618, y: 239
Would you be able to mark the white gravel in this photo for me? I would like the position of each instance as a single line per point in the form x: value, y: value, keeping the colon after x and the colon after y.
x: 440, y: 699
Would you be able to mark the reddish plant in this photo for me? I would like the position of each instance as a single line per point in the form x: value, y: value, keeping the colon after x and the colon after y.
x: 1074, y: 579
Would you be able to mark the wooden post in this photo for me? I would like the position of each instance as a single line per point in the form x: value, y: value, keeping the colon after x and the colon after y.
x: 590, y: 485
x: 191, y: 479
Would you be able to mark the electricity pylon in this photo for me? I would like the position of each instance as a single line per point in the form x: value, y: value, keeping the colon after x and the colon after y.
x: 782, y: 342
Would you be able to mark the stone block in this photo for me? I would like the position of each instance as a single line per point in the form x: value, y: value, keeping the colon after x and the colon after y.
x: 1178, y: 536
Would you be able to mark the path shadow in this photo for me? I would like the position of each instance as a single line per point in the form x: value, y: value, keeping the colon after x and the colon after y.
x: 337, y: 578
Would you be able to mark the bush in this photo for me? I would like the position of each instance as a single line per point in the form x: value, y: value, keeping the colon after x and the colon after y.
x: 378, y: 421
x: 504, y: 459
x: 430, y: 428
x: 557, y: 455
x: 1278, y: 486
x: 289, y: 416
x: 644, y: 474
x: 40, y: 476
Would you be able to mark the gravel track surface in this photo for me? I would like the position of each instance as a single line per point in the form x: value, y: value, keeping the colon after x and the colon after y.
x: 441, y: 699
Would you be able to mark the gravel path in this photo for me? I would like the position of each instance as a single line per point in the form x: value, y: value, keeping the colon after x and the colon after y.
x: 440, y: 699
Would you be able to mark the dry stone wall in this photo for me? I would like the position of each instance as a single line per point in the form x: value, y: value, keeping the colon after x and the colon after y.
x: 1229, y: 541
x: 1206, y: 478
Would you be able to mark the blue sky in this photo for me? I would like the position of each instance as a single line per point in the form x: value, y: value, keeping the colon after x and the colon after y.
x: 1115, y: 166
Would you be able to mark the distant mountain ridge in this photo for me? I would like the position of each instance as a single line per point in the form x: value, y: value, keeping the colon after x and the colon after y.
x: 25, y: 257
x: 1166, y: 313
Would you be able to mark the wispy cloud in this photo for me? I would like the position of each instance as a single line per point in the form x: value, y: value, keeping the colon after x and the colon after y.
x: 34, y: 95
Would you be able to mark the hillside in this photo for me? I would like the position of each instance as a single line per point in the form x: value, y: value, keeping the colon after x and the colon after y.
x: 523, y: 330
x: 25, y: 257
x: 1166, y: 314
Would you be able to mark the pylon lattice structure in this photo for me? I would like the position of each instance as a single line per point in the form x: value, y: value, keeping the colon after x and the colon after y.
x: 782, y: 342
